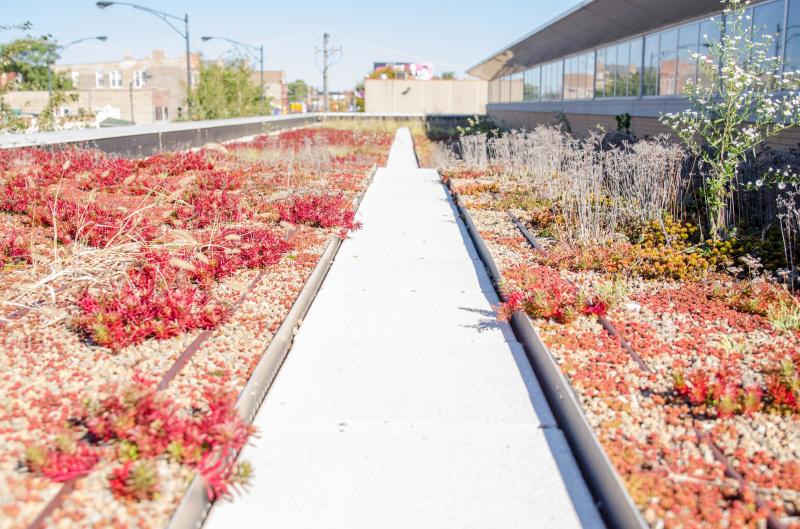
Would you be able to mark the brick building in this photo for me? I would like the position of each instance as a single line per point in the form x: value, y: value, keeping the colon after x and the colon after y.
x: 164, y: 76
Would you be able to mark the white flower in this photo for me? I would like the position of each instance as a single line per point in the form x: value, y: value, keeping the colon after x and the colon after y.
x: 759, y: 183
x: 782, y: 186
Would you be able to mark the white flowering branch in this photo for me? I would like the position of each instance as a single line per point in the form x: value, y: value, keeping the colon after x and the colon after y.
x: 740, y: 101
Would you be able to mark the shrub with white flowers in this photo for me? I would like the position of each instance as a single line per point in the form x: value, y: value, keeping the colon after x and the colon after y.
x: 740, y: 101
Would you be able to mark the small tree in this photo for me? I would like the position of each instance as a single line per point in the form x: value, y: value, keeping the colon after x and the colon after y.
x: 227, y: 91
x: 360, y: 102
x: 297, y: 91
x: 737, y: 105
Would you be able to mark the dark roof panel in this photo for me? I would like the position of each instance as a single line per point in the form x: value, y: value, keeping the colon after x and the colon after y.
x: 590, y: 24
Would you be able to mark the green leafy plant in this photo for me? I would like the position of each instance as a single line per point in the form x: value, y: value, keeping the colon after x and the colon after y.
x: 227, y: 91
x: 623, y: 122
x: 563, y: 121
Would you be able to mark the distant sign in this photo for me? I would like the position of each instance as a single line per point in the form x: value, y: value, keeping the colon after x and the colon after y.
x: 422, y: 71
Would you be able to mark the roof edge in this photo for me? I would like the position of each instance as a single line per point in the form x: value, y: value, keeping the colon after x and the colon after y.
x: 582, y: 5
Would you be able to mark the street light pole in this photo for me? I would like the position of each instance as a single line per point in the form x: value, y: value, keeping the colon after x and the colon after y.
x: 251, y: 50
x: 188, y: 68
x: 185, y: 34
x: 261, y: 53
x: 51, y: 60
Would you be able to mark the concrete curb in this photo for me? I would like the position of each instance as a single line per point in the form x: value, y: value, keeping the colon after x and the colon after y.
x: 195, y: 505
x: 612, y: 498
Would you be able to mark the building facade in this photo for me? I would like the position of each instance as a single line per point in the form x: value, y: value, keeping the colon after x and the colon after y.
x: 610, y: 57
x: 135, y: 107
x: 164, y: 76
x: 275, y: 88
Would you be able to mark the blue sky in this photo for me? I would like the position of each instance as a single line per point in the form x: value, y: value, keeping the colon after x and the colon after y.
x: 453, y: 35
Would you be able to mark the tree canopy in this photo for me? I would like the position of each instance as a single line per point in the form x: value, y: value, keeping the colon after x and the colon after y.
x: 227, y: 91
x: 28, y: 57
x: 297, y: 91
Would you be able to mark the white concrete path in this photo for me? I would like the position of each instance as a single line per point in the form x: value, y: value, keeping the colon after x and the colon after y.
x: 403, y: 403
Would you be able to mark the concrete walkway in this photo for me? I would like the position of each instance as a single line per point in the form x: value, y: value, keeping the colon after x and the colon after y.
x: 403, y: 403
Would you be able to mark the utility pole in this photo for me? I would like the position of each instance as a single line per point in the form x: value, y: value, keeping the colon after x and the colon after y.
x: 330, y: 56
x: 188, y: 66
x: 130, y: 93
x: 325, y: 37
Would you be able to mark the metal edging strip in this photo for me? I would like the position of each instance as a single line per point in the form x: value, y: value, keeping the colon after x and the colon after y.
x: 612, y: 498
x: 195, y: 505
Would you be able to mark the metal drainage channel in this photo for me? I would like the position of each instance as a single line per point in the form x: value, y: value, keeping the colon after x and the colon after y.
x: 195, y: 504
x: 702, y: 437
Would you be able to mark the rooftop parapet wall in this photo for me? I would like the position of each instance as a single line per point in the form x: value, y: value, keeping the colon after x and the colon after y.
x: 428, y: 97
x: 134, y: 141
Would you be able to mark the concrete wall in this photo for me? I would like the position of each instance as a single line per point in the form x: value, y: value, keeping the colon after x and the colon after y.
x: 32, y: 102
x: 428, y: 97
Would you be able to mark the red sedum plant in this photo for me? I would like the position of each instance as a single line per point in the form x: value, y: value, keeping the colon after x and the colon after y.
x: 12, y: 250
x: 145, y: 424
x: 156, y: 300
x: 64, y: 462
x: 323, y: 211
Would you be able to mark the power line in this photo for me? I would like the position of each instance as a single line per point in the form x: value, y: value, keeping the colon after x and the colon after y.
x: 391, y: 50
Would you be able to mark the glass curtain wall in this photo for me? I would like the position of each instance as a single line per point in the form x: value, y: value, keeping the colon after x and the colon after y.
x: 656, y: 64
x: 532, y: 85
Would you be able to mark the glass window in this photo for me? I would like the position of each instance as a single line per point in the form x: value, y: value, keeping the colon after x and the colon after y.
x: 75, y: 77
x: 687, y: 45
x: 709, y: 33
x: 115, y: 79
x: 587, y: 75
x: 579, y: 76
x: 516, y: 87
x: 546, y: 76
x: 545, y: 80
x: 667, y: 64
x: 531, y: 86
x: 600, y: 73
x: 611, y: 67
x: 650, y: 72
x: 138, y: 78
x: 582, y: 62
x: 768, y: 20
x: 612, y: 74
x: 571, y: 87
x: 621, y: 70
x: 558, y: 86
x: 634, y: 67
x: 99, y: 79
x: 792, y: 58
x: 552, y: 81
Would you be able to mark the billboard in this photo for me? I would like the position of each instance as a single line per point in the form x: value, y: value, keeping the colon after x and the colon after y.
x: 422, y: 71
